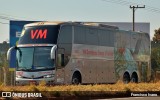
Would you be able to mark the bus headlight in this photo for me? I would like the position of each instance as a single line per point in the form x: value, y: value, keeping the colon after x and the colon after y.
x: 49, y: 76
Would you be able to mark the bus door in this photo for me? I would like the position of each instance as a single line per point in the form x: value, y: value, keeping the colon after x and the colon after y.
x: 60, y: 71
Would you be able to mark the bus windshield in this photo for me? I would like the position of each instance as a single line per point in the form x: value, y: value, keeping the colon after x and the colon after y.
x: 34, y: 58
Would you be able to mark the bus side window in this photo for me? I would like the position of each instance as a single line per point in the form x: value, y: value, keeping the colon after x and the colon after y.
x: 64, y: 45
x: 65, y: 35
x: 79, y: 35
x: 91, y: 36
x: 61, y: 60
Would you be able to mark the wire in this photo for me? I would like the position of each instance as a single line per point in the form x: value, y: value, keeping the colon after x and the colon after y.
x: 128, y: 3
x: 4, y: 23
x: 120, y: 2
x: 10, y: 18
x: 7, y: 18
x: 15, y: 17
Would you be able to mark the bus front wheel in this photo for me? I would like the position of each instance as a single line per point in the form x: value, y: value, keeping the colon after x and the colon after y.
x: 76, y: 79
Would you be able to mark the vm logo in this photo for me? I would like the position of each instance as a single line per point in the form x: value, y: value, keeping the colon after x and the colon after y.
x: 39, y: 34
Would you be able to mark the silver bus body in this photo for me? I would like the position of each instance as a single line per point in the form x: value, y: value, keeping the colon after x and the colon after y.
x: 90, y: 53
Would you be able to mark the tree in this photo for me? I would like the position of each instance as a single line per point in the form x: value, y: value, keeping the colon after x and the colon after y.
x: 156, y: 37
x: 4, y: 65
x: 155, y: 52
x: 3, y: 62
x: 155, y: 58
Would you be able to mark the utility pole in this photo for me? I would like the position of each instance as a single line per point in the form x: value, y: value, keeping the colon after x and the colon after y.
x: 134, y: 8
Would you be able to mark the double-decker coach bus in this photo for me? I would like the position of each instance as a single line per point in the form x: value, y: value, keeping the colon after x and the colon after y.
x: 81, y: 53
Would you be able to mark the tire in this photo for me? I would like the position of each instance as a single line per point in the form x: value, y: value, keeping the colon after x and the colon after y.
x: 76, y: 79
x: 134, y: 78
x: 126, y: 78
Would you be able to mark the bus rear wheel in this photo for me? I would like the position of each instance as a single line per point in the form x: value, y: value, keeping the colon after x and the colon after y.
x: 126, y: 78
x: 134, y: 78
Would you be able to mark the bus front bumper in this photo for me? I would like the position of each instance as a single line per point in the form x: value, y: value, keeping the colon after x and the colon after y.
x: 46, y: 81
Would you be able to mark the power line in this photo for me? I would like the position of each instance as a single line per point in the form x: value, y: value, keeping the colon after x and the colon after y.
x: 4, y: 23
x: 128, y: 3
x: 11, y: 17
x: 121, y: 2
x: 7, y: 18
x: 15, y: 17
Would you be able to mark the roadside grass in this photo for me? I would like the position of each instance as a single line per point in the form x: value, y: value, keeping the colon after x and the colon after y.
x: 85, y: 90
x: 119, y: 86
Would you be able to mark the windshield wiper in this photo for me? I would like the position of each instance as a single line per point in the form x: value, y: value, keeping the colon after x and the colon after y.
x: 24, y: 68
x: 49, y: 67
x: 42, y: 67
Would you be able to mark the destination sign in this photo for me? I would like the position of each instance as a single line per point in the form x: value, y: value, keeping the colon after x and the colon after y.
x: 39, y: 35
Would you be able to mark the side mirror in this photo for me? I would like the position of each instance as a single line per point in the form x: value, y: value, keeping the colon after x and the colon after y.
x: 10, y: 52
x: 11, y: 57
x: 53, y: 52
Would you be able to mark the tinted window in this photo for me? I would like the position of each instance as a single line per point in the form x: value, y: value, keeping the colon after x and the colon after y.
x: 91, y: 36
x: 25, y: 57
x: 106, y: 37
x: 79, y: 35
x: 34, y: 58
x: 65, y: 35
x: 42, y: 60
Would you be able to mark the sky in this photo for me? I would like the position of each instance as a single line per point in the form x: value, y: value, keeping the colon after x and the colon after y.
x: 78, y: 10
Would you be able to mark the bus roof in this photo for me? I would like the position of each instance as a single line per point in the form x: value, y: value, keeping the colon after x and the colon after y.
x: 76, y: 23
x: 44, y: 23
x: 62, y: 22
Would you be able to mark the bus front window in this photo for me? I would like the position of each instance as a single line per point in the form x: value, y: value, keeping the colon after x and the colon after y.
x: 34, y: 58
x: 42, y: 58
x: 25, y: 58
